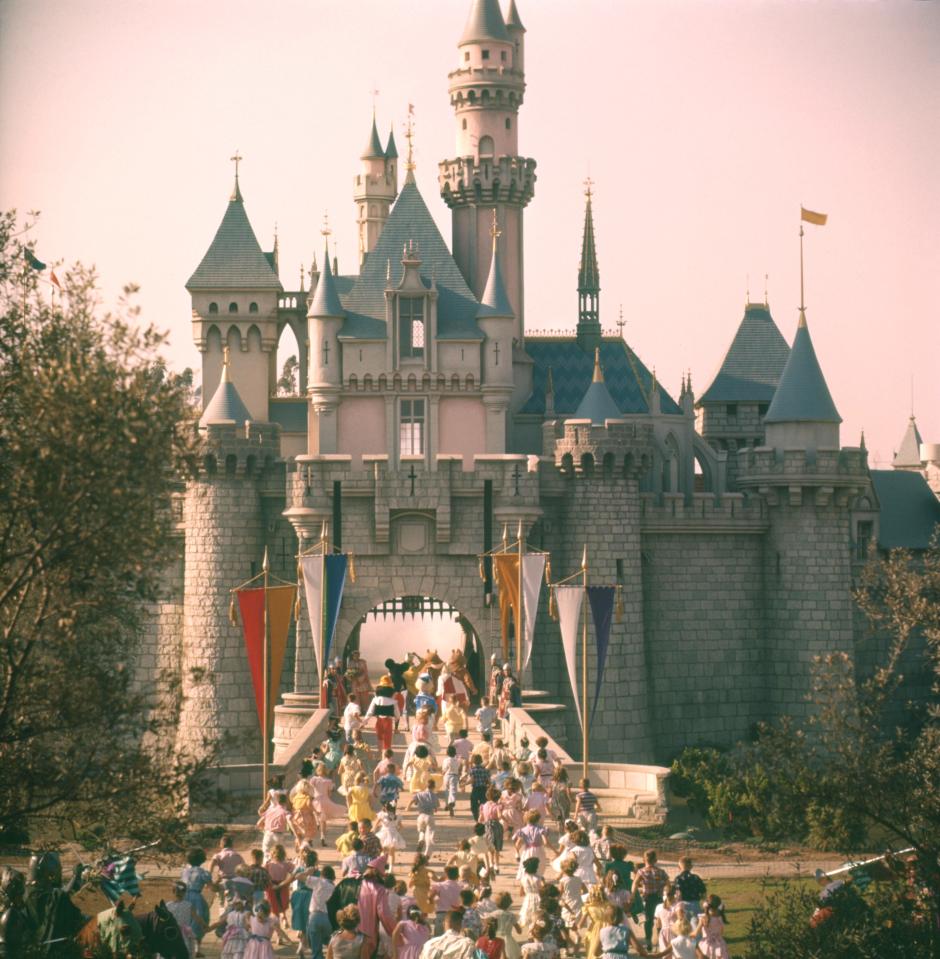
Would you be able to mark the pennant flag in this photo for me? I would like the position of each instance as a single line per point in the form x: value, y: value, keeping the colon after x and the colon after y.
x: 533, y: 567
x: 311, y: 568
x: 31, y: 260
x: 507, y: 579
x: 601, y: 599
x: 336, y: 565
x: 55, y: 280
x: 569, y: 600
x: 280, y: 604
x: 819, y: 219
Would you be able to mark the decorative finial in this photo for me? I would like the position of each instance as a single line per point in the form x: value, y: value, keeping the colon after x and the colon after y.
x: 766, y: 301
x: 236, y: 193
x: 409, y: 136
x: 375, y: 94
x: 598, y: 372
x: 313, y: 266
x: 301, y: 277
x: 226, y: 359
x: 621, y: 323
x: 495, y: 231
x: 275, y: 253
x: 589, y: 188
x: 325, y: 229
x: 747, y: 289
x: 861, y: 442
x: 690, y: 380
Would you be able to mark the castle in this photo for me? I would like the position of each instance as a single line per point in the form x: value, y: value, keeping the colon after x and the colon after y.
x: 428, y: 418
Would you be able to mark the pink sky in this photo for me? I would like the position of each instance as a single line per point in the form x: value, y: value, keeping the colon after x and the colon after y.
x: 704, y: 125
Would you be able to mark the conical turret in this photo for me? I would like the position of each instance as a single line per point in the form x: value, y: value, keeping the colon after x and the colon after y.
x: 326, y: 301
x: 802, y: 414
x: 597, y: 404
x: 908, y: 454
x: 226, y: 405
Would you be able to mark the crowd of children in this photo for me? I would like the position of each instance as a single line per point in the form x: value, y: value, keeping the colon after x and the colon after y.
x: 577, y: 891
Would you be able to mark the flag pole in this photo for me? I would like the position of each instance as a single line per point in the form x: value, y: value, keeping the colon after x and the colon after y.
x: 584, y: 666
x: 324, y: 542
x: 265, y: 681
x: 520, y: 628
x: 802, y: 305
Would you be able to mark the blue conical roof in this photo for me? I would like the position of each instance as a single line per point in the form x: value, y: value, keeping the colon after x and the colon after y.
x: 234, y: 259
x: 226, y: 405
x: 326, y: 299
x: 597, y: 405
x: 391, y: 151
x: 485, y: 23
x: 494, y: 301
x: 373, y: 148
x: 802, y: 395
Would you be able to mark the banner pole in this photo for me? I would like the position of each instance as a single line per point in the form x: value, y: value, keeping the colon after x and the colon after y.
x: 324, y: 542
x: 584, y: 666
x: 265, y: 680
x: 520, y: 626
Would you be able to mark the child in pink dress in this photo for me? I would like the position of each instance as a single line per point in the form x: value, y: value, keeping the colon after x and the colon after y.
x: 711, y: 927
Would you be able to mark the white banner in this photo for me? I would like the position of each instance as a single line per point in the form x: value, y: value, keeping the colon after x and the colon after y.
x: 533, y: 568
x: 569, y: 600
x: 312, y: 569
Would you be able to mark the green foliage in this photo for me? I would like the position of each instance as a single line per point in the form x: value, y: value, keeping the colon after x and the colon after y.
x: 889, y: 921
x: 95, y: 434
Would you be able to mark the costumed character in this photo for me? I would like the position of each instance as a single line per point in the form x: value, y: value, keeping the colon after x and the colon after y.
x: 119, y: 930
x: 450, y: 685
x: 457, y: 664
x: 432, y: 664
x: 397, y: 673
x: 333, y: 690
x: 357, y: 672
x: 385, y: 709
x: 17, y: 930
x: 55, y: 917
x: 511, y: 693
x: 426, y: 697
x: 374, y: 909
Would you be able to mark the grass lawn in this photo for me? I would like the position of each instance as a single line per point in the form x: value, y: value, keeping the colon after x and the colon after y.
x: 741, y: 898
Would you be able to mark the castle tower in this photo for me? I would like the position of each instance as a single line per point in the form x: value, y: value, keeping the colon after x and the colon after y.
x: 235, y: 293
x: 808, y: 486
x: 495, y: 318
x: 374, y: 189
x: 224, y: 496
x: 602, y: 457
x: 325, y: 317
x: 589, y: 284
x: 487, y: 174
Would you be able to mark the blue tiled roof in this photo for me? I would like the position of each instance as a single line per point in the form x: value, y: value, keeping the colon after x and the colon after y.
x: 628, y: 380
x: 234, y: 259
x: 326, y: 300
x: 910, y: 512
x: 485, y: 23
x: 754, y: 362
x: 364, y: 303
x: 289, y: 414
x: 802, y: 395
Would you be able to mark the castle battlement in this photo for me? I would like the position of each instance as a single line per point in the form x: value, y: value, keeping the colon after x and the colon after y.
x: 508, y: 179
x: 705, y: 512
x: 830, y: 473
x: 618, y: 447
x: 240, y: 451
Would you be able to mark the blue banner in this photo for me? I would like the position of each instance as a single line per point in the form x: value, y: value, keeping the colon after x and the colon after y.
x: 601, y: 599
x: 335, y: 569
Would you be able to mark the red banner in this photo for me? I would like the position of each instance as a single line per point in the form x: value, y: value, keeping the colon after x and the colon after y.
x: 251, y: 606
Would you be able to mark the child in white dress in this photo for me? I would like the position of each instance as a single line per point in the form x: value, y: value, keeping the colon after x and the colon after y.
x: 235, y: 935
x: 389, y: 834
x: 531, y: 884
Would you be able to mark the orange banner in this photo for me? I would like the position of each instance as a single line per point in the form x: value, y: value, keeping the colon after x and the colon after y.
x: 507, y: 583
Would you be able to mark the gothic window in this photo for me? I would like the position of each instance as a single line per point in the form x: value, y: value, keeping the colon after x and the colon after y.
x: 411, y: 326
x: 863, y: 535
x: 233, y: 307
x: 252, y: 307
x: 486, y: 146
x: 213, y: 307
x: 411, y: 428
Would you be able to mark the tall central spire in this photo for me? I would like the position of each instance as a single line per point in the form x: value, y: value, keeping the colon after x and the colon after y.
x: 589, y: 282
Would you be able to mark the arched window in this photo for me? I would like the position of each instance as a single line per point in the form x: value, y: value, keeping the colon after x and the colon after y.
x: 233, y: 307
x: 213, y: 307
x: 252, y: 307
x: 486, y: 146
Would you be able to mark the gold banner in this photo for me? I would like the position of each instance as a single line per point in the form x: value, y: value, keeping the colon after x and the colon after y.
x: 507, y: 579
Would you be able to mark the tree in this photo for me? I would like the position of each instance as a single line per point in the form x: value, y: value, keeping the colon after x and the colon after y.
x: 287, y: 383
x: 94, y: 436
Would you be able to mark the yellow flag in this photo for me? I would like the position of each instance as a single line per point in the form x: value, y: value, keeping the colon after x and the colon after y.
x: 818, y: 218
x: 507, y: 576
